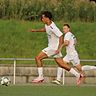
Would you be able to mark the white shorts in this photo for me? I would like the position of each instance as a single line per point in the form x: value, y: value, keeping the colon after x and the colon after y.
x: 51, y: 52
x: 73, y: 58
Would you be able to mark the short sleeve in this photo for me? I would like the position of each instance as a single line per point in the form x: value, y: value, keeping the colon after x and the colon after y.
x: 56, y: 30
x: 67, y: 36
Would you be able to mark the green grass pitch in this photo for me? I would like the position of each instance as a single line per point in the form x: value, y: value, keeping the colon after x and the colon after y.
x: 47, y: 90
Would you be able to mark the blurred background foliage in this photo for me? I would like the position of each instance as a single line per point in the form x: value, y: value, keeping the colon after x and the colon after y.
x: 67, y: 10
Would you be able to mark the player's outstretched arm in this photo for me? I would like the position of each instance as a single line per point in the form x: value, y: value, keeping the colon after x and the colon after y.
x: 38, y: 30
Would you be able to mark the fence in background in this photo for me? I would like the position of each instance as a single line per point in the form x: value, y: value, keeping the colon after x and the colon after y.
x: 28, y: 59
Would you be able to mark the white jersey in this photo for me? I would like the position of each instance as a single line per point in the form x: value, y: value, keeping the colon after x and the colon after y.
x: 70, y: 49
x: 53, y: 34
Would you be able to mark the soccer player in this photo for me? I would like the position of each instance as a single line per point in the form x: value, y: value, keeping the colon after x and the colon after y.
x: 55, y: 40
x: 60, y: 71
x: 72, y: 55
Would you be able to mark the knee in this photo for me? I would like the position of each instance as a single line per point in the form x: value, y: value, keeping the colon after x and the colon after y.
x: 37, y: 58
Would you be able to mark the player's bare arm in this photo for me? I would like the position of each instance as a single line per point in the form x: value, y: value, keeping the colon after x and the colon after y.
x: 66, y: 43
x: 38, y: 30
x: 60, y: 44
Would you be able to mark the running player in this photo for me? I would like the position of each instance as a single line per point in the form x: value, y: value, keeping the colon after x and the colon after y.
x: 55, y: 40
x: 60, y: 72
x: 72, y: 55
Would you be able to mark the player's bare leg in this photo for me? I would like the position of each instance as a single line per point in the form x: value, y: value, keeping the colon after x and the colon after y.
x: 79, y: 68
x: 38, y: 59
x: 61, y: 63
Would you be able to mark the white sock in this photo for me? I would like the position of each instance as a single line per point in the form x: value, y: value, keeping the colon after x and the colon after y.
x: 88, y: 67
x: 40, y: 71
x: 59, y: 73
x: 74, y: 72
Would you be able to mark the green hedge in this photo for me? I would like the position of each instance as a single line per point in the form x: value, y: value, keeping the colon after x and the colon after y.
x: 67, y: 10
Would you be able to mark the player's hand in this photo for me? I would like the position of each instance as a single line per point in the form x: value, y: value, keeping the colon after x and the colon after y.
x: 57, y: 51
x: 32, y: 30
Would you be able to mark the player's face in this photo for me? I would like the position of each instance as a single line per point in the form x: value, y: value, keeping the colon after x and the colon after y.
x: 66, y: 29
x: 44, y: 19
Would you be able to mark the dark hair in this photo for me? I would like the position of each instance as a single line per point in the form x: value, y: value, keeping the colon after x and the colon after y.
x: 46, y: 14
x: 67, y: 25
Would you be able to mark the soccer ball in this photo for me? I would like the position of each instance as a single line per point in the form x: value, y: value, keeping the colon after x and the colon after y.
x: 5, y: 81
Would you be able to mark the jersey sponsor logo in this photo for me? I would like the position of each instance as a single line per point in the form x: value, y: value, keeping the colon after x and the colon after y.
x: 51, y: 27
